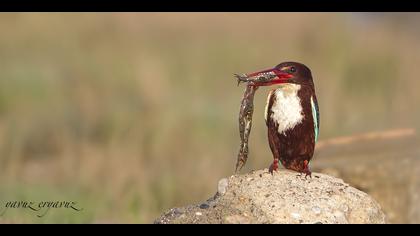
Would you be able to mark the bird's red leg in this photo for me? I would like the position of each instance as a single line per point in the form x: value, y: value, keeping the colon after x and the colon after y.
x: 274, y: 166
x: 306, y: 169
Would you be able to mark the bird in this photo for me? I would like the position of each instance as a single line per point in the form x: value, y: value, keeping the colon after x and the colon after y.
x: 291, y: 114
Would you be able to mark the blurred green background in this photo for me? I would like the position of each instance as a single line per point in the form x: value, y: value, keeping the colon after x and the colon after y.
x: 130, y: 114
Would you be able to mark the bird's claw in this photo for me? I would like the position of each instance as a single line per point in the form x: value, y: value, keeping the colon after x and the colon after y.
x: 306, y: 169
x: 274, y: 166
x: 300, y: 174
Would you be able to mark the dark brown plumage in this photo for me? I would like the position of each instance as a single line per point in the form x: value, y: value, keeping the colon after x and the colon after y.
x: 296, y: 145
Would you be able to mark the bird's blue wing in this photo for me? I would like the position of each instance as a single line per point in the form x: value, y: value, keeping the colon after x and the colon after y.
x: 315, y: 115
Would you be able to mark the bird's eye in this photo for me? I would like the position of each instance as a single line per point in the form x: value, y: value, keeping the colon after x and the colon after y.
x: 292, y: 69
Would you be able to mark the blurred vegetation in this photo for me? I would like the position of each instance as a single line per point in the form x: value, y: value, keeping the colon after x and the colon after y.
x: 130, y: 114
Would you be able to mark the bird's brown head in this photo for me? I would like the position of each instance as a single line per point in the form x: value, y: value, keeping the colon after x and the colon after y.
x: 286, y: 72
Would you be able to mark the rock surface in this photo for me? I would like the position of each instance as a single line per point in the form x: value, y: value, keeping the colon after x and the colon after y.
x: 386, y: 169
x: 285, y: 197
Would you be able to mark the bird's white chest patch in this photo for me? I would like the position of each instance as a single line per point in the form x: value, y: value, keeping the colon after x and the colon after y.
x: 287, y: 110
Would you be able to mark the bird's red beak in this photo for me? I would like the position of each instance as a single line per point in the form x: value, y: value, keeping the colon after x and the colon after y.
x: 265, y: 77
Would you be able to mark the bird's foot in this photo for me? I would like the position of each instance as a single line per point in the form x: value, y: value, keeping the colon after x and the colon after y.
x: 300, y: 175
x: 274, y: 166
x: 306, y: 170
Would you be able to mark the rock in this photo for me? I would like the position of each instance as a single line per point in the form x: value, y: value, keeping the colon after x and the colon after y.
x: 222, y: 186
x: 285, y: 197
x: 388, y: 170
